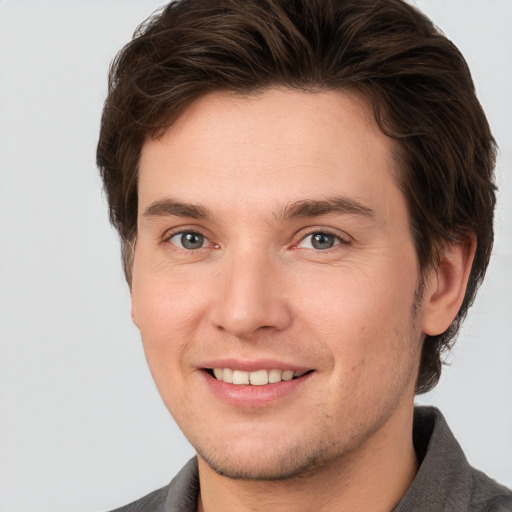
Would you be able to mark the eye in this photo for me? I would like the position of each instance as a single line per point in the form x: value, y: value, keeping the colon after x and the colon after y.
x: 189, y: 240
x: 319, y: 241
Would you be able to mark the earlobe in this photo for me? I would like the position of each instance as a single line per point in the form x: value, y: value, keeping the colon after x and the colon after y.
x: 445, y: 286
x: 129, y: 261
x: 132, y: 311
x: 134, y: 320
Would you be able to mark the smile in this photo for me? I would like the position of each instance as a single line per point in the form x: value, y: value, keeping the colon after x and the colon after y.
x: 255, y: 378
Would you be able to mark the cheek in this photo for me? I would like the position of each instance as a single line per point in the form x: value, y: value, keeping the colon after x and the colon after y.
x: 163, y: 320
x: 365, y: 322
x: 163, y: 298
x: 355, y: 302
x: 166, y: 318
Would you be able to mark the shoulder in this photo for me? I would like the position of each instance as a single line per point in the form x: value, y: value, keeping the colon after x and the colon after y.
x: 179, y: 496
x: 445, y: 480
x: 501, y: 503
x: 153, y: 502
x: 488, y: 495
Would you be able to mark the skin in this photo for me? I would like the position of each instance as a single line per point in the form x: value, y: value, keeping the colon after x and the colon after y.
x: 257, y: 289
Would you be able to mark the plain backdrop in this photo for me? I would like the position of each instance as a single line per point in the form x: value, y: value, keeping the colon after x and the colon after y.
x: 82, y: 427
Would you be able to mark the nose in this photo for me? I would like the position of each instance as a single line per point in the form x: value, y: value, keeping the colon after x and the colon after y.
x: 251, y: 297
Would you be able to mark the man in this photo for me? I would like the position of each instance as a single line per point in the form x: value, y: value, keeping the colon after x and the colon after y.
x: 304, y: 193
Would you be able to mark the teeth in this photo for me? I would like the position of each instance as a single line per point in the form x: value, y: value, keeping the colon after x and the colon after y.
x: 240, y: 377
x: 259, y: 378
x: 287, y: 375
x: 227, y: 375
x: 256, y: 378
x: 274, y: 376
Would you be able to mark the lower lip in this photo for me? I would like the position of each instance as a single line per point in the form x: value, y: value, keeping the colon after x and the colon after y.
x: 254, y: 396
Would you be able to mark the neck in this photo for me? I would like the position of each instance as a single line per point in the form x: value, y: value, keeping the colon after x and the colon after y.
x: 373, y: 477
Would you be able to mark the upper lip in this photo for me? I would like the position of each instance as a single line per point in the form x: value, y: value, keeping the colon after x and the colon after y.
x: 253, y: 365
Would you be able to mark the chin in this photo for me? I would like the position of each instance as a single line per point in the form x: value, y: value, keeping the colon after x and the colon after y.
x: 291, y: 463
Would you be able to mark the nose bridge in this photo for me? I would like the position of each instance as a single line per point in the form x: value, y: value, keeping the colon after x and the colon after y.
x: 250, y: 298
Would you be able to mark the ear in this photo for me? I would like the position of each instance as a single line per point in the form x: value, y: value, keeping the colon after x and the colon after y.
x: 128, y: 262
x: 133, y: 314
x: 445, y: 286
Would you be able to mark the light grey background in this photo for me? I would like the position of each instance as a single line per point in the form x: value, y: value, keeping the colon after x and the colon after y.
x: 81, y: 426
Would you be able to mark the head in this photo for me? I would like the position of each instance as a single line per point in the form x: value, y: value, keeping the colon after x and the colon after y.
x: 415, y: 81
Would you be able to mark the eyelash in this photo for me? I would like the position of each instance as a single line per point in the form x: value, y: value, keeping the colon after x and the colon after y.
x: 338, y: 240
x: 183, y: 232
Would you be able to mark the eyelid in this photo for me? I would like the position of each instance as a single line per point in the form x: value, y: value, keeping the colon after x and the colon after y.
x: 181, y: 230
x: 203, y: 239
x: 184, y: 228
x: 342, y: 237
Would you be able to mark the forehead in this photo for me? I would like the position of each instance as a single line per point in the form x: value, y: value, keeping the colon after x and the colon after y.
x: 274, y: 147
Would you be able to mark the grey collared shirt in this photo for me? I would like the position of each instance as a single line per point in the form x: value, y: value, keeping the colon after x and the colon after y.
x: 445, y: 481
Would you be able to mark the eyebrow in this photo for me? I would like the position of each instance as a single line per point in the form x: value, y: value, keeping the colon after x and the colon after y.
x: 314, y: 208
x: 296, y: 210
x: 165, y: 207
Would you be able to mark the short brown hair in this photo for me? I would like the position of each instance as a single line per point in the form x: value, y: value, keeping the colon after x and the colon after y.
x: 416, y: 80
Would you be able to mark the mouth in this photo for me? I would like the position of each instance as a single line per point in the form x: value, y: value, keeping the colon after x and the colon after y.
x: 255, y: 378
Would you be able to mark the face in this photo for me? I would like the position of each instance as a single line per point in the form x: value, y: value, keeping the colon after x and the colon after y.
x: 274, y: 280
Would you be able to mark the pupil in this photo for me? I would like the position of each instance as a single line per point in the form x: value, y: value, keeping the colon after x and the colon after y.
x: 322, y: 241
x: 192, y: 240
